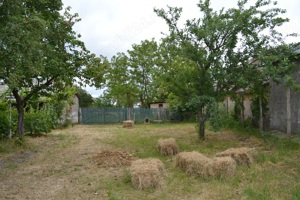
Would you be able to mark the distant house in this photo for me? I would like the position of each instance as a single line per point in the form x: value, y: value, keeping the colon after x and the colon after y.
x: 246, y: 98
x: 158, y: 105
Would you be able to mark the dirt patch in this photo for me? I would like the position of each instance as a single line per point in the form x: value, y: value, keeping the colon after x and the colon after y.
x: 113, y: 159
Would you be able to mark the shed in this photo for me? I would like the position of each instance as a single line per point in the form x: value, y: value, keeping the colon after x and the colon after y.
x: 279, y: 98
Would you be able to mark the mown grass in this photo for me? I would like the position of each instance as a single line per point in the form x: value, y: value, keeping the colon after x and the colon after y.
x: 274, y: 175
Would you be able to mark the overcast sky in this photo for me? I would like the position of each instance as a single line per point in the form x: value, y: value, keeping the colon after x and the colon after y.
x: 111, y: 26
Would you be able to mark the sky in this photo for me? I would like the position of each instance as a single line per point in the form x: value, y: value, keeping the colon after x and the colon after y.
x: 111, y: 26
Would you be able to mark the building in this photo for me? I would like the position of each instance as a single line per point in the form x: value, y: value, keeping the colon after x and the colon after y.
x: 284, y: 105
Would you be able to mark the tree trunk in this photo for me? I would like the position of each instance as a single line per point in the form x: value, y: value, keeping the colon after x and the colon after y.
x: 261, y: 119
x: 20, y: 108
x: 288, y: 112
x: 201, y: 124
x: 243, y: 111
x: 20, y: 121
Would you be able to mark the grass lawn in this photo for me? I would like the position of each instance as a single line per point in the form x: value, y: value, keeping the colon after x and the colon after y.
x: 65, y: 165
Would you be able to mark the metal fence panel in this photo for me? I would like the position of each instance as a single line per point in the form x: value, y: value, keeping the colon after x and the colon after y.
x: 118, y: 115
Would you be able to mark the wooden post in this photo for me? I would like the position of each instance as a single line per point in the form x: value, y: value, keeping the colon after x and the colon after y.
x: 288, y: 112
x: 261, y: 119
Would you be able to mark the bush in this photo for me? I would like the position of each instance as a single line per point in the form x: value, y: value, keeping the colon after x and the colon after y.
x: 39, y: 121
x: 4, y: 120
x: 220, y: 118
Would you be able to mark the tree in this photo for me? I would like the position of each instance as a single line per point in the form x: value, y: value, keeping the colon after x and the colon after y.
x: 39, y: 52
x: 142, y: 60
x: 121, y: 86
x: 220, y: 46
x: 103, y: 101
x: 85, y: 99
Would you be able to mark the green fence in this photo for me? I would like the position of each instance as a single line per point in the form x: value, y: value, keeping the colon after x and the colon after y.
x: 118, y: 115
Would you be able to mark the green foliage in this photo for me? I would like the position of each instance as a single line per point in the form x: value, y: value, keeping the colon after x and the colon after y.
x: 255, y: 108
x: 103, y: 101
x: 40, y: 53
x: 142, y: 59
x: 237, y: 47
x: 38, y: 121
x: 121, y: 87
x: 4, y: 120
x: 85, y: 99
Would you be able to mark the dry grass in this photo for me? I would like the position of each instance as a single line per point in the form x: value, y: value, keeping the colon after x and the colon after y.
x: 167, y: 147
x: 242, y: 156
x: 223, y: 167
x: 195, y: 164
x: 63, y: 165
x: 113, y: 158
x: 147, y: 173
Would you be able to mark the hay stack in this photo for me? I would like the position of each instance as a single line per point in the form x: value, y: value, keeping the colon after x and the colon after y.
x: 194, y: 163
x: 241, y: 155
x: 147, y: 173
x: 223, y: 167
x: 128, y: 124
x: 167, y: 147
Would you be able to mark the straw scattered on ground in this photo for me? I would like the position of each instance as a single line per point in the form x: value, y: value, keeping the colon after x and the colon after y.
x: 113, y: 159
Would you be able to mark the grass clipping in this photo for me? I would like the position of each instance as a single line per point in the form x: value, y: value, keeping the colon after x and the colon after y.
x: 242, y: 156
x: 167, y: 147
x: 113, y: 159
x: 147, y: 173
x: 196, y: 164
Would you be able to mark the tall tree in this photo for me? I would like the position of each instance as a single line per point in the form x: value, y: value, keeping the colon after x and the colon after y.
x: 85, y: 99
x: 121, y: 86
x: 39, y: 51
x: 218, y: 44
x: 142, y: 59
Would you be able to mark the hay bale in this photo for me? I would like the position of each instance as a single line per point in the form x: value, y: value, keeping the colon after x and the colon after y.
x: 167, y: 147
x: 223, y: 167
x: 242, y: 156
x: 147, y: 173
x: 128, y: 124
x: 194, y: 163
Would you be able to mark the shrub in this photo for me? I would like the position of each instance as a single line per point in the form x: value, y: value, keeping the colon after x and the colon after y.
x: 4, y: 120
x: 38, y: 121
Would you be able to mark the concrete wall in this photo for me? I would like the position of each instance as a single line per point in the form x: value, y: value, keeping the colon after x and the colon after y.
x: 230, y: 103
x: 75, y: 110
x: 278, y: 114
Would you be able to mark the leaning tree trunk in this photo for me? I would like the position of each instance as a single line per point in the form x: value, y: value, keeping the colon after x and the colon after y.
x: 20, y: 121
x: 20, y: 109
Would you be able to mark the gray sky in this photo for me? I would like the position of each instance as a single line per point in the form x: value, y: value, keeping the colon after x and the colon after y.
x: 111, y: 26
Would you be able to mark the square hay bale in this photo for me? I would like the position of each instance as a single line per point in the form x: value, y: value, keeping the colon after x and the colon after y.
x: 194, y: 163
x: 167, y: 147
x: 242, y: 156
x: 128, y: 124
x: 223, y: 167
x: 147, y: 173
